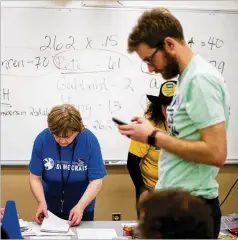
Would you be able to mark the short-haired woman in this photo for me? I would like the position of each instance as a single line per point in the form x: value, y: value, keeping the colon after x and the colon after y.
x: 66, y: 167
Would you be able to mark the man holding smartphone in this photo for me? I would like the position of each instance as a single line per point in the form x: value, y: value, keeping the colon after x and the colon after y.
x: 197, y: 116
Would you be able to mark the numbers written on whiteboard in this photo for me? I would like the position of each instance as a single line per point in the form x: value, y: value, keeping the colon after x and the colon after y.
x: 52, y: 43
x: 212, y: 43
x: 220, y: 65
x: 215, y: 42
x: 103, y: 125
x: 38, y: 62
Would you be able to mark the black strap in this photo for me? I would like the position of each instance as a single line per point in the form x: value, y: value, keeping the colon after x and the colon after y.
x: 65, y: 181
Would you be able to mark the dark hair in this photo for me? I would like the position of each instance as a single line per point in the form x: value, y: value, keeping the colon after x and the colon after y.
x: 154, y: 113
x: 153, y: 27
x: 175, y: 214
x: 154, y: 110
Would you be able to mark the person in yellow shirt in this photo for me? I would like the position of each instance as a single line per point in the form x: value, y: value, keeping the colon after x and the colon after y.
x: 142, y: 162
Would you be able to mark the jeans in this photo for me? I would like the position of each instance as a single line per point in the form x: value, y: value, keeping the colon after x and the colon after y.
x: 216, y: 213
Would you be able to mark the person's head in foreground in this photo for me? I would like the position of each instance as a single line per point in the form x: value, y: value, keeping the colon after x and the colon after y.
x: 158, y: 39
x: 175, y: 214
x: 65, y: 122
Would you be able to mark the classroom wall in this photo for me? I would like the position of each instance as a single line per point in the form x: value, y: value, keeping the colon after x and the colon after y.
x: 117, y: 194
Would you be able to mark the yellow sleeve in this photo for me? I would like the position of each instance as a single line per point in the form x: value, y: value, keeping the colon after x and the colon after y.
x: 139, y: 149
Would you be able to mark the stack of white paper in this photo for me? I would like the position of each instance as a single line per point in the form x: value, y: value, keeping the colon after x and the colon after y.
x: 23, y: 225
x: 49, y: 237
x: 35, y: 231
x: 54, y: 224
x: 96, y: 233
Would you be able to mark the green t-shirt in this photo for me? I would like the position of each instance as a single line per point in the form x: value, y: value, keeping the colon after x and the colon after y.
x: 201, y: 100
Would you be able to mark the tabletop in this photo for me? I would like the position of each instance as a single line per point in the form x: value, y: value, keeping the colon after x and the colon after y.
x: 94, y: 225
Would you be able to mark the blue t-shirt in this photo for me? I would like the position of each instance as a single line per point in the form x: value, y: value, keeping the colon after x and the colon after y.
x: 87, y: 164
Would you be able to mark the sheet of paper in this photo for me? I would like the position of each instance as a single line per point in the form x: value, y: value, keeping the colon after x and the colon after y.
x: 229, y: 222
x: 36, y: 232
x: 52, y: 223
x: 23, y: 224
x: 96, y: 233
x: 49, y: 237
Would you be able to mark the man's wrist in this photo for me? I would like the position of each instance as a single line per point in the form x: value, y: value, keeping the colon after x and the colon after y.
x: 151, y: 140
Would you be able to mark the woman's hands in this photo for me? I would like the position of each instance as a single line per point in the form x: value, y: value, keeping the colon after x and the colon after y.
x: 75, y: 215
x: 41, y: 212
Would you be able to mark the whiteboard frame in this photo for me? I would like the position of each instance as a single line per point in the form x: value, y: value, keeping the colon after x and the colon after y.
x: 106, y: 162
x: 127, y: 8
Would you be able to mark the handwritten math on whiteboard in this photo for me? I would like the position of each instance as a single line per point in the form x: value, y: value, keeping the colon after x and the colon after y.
x: 72, y: 63
x: 80, y: 57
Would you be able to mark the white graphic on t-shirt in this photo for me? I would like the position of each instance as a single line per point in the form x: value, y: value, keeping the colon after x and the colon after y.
x: 48, y: 163
x: 170, y: 116
x: 80, y: 162
x: 78, y: 165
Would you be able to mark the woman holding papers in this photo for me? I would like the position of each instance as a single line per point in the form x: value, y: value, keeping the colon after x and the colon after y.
x: 142, y: 162
x: 66, y: 167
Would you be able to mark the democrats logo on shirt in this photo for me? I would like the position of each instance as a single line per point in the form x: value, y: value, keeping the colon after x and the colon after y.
x: 80, y: 162
x: 78, y: 165
x: 48, y: 163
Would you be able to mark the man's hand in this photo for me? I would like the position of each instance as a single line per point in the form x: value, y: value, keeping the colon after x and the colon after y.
x: 138, y: 130
x: 1, y: 213
x: 75, y: 215
x: 41, y: 212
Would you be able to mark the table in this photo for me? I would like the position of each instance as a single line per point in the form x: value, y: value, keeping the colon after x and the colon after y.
x: 101, y: 224
x: 95, y: 224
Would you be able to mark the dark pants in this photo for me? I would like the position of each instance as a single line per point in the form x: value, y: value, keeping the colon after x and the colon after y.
x: 216, y: 214
x: 87, y: 216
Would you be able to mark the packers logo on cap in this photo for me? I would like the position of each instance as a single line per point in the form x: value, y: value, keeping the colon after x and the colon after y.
x: 168, y: 89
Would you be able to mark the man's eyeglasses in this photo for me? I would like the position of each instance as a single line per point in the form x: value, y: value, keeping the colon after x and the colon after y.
x: 149, y: 60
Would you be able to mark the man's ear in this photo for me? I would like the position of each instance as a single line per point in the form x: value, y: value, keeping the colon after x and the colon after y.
x: 169, y: 45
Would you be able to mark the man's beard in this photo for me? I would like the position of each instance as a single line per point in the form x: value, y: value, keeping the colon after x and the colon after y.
x: 171, y: 69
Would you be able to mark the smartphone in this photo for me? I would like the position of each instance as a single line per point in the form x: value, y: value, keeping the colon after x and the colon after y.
x: 119, y: 122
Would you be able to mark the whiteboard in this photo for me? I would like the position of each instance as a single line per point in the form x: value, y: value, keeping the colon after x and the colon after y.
x: 52, y: 56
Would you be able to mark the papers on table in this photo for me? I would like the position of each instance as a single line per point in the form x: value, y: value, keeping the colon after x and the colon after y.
x: 229, y: 222
x: 51, y: 226
x: 35, y: 231
x: 49, y: 237
x: 96, y: 233
x: 54, y: 224
x: 23, y: 225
